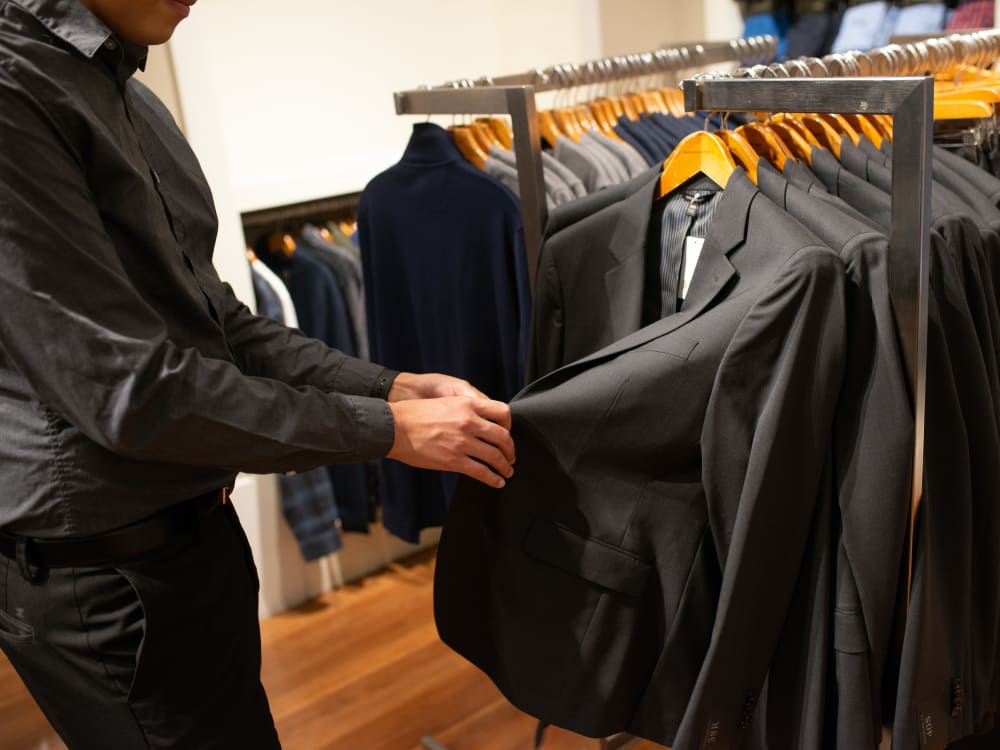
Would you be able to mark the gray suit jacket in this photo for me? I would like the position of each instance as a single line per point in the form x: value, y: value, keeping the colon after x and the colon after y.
x: 948, y: 660
x: 637, y: 570
x: 873, y: 446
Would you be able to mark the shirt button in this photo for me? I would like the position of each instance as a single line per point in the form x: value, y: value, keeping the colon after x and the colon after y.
x: 111, y: 44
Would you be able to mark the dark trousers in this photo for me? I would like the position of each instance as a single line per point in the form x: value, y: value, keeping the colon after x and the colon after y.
x: 162, y: 652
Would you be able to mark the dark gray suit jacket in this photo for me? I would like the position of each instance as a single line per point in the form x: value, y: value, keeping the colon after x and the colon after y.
x: 590, y: 294
x: 873, y: 448
x: 636, y: 572
x: 949, y: 646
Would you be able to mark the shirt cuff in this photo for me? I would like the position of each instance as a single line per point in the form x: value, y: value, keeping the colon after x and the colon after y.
x: 375, y: 428
x: 354, y: 377
x: 383, y: 384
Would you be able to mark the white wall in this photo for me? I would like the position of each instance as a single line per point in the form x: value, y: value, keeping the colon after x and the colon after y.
x: 643, y: 25
x: 303, y: 90
x: 722, y: 20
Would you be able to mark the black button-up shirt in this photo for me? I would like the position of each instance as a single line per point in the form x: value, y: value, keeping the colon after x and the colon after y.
x: 131, y: 377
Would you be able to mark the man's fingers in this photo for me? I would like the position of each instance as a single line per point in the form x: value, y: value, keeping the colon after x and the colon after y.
x: 495, y: 411
x: 492, y: 457
x: 462, y: 388
x: 480, y: 472
x: 497, y: 436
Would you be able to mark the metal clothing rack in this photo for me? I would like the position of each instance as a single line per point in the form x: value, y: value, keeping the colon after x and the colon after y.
x: 889, y: 80
x: 911, y: 102
x: 515, y: 95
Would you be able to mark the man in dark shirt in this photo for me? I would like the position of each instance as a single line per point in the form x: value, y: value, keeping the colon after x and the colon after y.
x: 134, y: 385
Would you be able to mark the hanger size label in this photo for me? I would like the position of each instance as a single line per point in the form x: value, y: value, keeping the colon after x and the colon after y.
x: 692, y: 252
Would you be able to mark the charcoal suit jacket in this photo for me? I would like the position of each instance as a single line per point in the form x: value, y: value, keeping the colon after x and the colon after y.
x: 948, y: 658
x: 636, y: 571
x: 873, y: 449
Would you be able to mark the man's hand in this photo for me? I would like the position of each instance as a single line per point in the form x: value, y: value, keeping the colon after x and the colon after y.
x: 408, y: 385
x: 470, y: 435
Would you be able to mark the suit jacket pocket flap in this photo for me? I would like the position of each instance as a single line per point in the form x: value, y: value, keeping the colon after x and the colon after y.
x: 675, y: 346
x: 593, y: 560
x: 849, y: 635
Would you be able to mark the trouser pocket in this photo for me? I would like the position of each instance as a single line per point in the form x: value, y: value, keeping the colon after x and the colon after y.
x: 14, y: 630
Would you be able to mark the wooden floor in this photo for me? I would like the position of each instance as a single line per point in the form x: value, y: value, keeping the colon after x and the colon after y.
x: 359, y: 668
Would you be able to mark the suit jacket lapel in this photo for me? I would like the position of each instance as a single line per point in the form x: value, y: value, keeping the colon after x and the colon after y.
x: 624, y: 282
x: 713, y: 273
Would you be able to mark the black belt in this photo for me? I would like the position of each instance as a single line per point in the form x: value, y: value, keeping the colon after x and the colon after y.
x: 110, y: 547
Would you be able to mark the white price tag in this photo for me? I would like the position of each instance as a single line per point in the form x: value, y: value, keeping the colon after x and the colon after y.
x: 692, y: 251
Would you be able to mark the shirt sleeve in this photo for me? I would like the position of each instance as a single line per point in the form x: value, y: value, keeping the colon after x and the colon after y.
x: 90, y: 346
x: 266, y: 348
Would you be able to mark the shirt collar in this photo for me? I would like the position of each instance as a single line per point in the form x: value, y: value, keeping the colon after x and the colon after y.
x: 77, y: 26
x: 430, y: 144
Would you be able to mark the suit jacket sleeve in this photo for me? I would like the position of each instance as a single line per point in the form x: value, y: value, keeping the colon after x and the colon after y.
x: 266, y: 348
x: 545, y: 352
x: 766, y: 441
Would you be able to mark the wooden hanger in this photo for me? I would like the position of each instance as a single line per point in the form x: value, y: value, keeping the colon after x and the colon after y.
x: 842, y: 126
x: 469, y: 146
x: 637, y: 103
x: 866, y: 127
x: 675, y: 101
x: 741, y: 151
x: 281, y: 242
x: 698, y: 153
x: 603, y: 116
x: 566, y: 121
x: 797, y: 125
x: 793, y: 140
x: 548, y: 127
x: 765, y: 142
x: 883, y: 123
x: 501, y: 129
x: 483, y: 135
x: 618, y: 107
x: 823, y: 132
x: 585, y: 118
x: 962, y: 109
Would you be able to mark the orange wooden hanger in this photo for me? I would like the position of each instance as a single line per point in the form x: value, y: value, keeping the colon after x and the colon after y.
x: 501, y: 129
x: 740, y: 150
x: 548, y: 127
x: 793, y: 140
x: 698, y: 153
x: 842, y: 126
x: 796, y: 124
x: 281, y: 242
x: 484, y: 136
x: 823, y: 132
x: 566, y: 121
x: 865, y: 127
x: 469, y: 146
x: 618, y: 107
x: 883, y: 123
x: 766, y: 142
